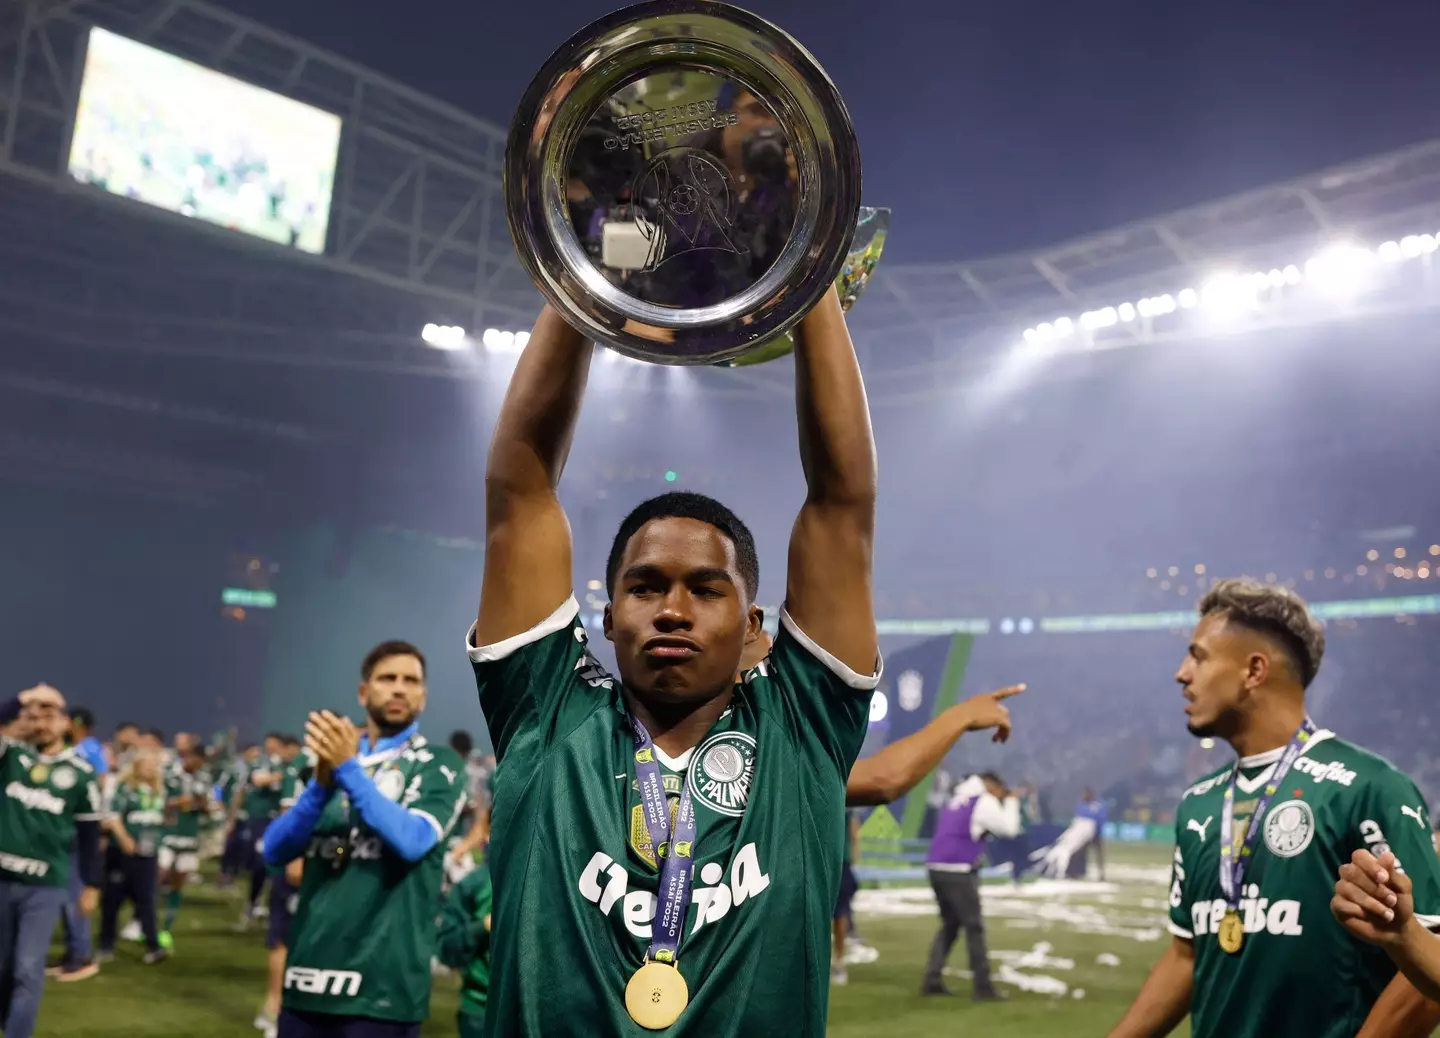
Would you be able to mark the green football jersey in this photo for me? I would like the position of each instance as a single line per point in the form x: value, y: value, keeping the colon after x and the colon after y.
x: 364, y: 929
x: 575, y: 874
x: 183, y: 829
x: 141, y: 811
x: 464, y: 938
x: 1298, y: 972
x: 262, y: 803
x: 43, y: 799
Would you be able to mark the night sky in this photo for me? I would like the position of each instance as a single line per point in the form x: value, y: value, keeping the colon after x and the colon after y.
x: 997, y: 126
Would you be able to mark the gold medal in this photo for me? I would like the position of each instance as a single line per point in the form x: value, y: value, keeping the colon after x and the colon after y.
x: 39, y: 773
x: 1232, y: 932
x: 656, y: 996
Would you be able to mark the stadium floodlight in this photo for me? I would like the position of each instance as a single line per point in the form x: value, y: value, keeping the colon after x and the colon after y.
x: 444, y: 336
x: 497, y: 341
x: 1339, y: 270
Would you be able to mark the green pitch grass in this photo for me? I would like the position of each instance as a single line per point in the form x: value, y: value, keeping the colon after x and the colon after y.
x: 213, y: 984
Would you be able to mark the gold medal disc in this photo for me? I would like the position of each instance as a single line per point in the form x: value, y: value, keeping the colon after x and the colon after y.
x: 1232, y: 933
x: 656, y: 996
x: 39, y: 773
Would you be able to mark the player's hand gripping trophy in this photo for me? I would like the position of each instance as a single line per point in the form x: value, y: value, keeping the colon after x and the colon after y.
x: 683, y: 184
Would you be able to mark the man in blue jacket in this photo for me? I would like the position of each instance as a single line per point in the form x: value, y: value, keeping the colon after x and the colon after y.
x: 371, y: 826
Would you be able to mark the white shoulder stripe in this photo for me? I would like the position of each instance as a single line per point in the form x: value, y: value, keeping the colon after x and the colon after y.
x: 562, y: 618
x: 1178, y: 931
x: 856, y: 680
x: 1430, y: 922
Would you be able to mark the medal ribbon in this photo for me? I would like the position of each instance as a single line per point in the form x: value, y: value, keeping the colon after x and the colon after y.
x: 1233, y: 866
x: 672, y: 849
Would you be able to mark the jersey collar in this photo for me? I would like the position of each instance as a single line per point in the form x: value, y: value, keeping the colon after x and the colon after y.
x: 1269, y: 759
x: 388, y: 744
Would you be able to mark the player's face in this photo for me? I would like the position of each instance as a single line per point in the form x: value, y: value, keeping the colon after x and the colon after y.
x: 126, y: 738
x: 272, y: 747
x: 679, y: 616
x: 45, y: 724
x: 1215, y: 678
x: 144, y: 766
x: 394, y: 694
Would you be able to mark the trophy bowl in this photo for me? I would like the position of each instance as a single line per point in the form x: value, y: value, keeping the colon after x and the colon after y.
x: 682, y: 181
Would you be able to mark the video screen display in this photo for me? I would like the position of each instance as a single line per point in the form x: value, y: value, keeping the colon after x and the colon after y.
x: 163, y: 130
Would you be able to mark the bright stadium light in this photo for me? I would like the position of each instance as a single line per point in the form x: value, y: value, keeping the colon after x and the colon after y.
x: 497, y: 341
x: 443, y: 336
x: 1341, y: 270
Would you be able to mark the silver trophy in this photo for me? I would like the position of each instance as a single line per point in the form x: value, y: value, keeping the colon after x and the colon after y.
x: 683, y: 182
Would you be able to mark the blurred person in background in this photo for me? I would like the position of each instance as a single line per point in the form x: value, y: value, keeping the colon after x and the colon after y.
x: 50, y: 802
x: 135, y: 823
x: 76, y: 963
x: 284, y: 895
x: 1094, y: 809
x: 234, y: 856
x: 1256, y: 952
x: 890, y: 773
x: 464, y: 944
x: 187, y: 802
x: 981, y: 807
x: 257, y: 805
x: 472, y: 832
x: 363, y: 936
x: 154, y: 739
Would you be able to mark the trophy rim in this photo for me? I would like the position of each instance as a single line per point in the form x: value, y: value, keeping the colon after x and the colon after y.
x: 775, y: 302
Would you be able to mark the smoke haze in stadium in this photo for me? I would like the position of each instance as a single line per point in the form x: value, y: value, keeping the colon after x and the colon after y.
x: 1002, y: 126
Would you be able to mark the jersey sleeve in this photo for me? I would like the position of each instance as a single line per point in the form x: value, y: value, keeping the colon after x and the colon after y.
x: 1180, y: 923
x: 536, y: 686
x: 437, y: 791
x: 1392, y: 816
x: 824, y: 704
x: 89, y: 804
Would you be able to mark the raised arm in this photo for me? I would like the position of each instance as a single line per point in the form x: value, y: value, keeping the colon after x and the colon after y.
x: 527, y: 537
x: 828, y: 592
x: 900, y: 766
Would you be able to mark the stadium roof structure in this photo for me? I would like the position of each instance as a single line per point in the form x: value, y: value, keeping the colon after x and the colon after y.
x: 418, y: 234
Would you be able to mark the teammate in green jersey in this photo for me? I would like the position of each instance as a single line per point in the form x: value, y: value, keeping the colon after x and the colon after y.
x: 758, y: 767
x: 372, y: 829
x: 49, y: 801
x: 136, y: 823
x: 464, y: 944
x: 255, y: 808
x: 1263, y: 958
x: 188, y: 789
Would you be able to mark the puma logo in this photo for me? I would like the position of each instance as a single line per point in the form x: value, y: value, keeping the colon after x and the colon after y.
x: 1199, y: 827
x: 1417, y: 813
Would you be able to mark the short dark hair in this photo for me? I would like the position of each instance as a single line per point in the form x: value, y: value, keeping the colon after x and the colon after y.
x: 277, y: 736
x: 83, y: 716
x: 157, y: 734
x: 290, y: 740
x: 1274, y: 611
x: 461, y: 742
x: 384, y: 651
x: 990, y: 776
x: 126, y: 724
x: 683, y: 504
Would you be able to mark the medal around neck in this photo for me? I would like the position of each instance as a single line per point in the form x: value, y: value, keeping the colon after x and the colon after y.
x: 1232, y: 933
x: 682, y: 181
x: 656, y: 996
